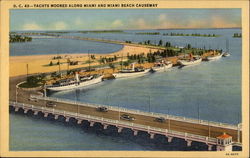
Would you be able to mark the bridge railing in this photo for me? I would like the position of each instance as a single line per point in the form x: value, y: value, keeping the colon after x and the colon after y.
x: 135, y: 111
x: 116, y: 122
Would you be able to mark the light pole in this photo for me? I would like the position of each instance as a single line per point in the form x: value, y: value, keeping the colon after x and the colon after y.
x: 168, y: 120
x: 149, y: 103
x: 119, y: 111
x: 198, y: 109
x: 16, y: 93
x: 45, y: 93
x: 208, y: 130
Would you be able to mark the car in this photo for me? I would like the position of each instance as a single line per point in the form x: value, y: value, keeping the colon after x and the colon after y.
x: 160, y: 119
x: 50, y: 104
x: 32, y: 98
x: 102, y: 109
x: 127, y: 117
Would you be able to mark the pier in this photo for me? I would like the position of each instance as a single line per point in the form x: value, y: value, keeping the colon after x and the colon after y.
x: 173, y: 127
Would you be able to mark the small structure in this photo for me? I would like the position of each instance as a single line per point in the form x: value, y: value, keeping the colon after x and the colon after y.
x: 224, y: 142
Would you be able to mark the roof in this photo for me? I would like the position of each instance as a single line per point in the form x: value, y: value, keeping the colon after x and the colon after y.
x: 224, y: 136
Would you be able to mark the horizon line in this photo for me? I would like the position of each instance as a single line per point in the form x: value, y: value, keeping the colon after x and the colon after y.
x: 135, y: 29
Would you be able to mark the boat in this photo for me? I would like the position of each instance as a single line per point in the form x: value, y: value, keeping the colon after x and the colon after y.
x: 191, y: 61
x: 73, y: 83
x: 226, y: 54
x: 214, y: 57
x: 162, y: 66
x: 134, y: 72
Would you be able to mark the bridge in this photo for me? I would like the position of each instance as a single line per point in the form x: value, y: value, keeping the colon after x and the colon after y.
x: 173, y: 127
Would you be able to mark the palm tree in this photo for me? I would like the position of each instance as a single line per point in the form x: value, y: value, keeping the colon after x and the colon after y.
x: 112, y: 66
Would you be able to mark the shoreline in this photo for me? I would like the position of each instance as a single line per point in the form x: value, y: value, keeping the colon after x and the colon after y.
x: 38, y: 63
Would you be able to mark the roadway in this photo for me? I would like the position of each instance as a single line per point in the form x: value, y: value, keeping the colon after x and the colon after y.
x: 170, y: 124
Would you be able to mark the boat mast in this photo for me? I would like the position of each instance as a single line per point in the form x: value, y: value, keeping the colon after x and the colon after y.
x: 89, y: 60
x: 122, y: 62
x: 227, y: 44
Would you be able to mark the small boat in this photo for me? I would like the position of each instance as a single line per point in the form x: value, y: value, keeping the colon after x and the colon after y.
x: 191, y: 61
x: 134, y: 72
x: 77, y: 82
x: 162, y: 66
x: 214, y: 57
x: 226, y: 54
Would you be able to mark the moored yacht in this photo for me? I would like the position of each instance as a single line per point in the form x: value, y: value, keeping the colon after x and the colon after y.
x: 161, y: 66
x: 226, y: 54
x: 191, y: 61
x: 77, y: 82
x: 134, y: 72
x: 214, y: 57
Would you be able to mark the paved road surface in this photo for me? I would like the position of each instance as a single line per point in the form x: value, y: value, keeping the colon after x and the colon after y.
x: 192, y: 128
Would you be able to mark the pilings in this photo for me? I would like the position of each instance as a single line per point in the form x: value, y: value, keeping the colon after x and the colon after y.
x: 16, y: 109
x: 135, y: 132
x: 36, y: 112
x: 152, y: 135
x: 169, y: 139
x: 91, y: 123
x: 119, y: 129
x: 105, y: 126
x: 46, y: 114
x: 189, y: 142
x: 25, y: 111
x: 56, y: 117
x: 105, y: 122
x: 209, y: 147
x: 67, y: 119
x: 79, y: 121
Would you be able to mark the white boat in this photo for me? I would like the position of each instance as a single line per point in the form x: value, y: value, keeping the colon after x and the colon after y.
x: 134, y: 72
x: 75, y: 83
x: 190, y: 62
x: 215, y: 57
x: 127, y: 73
x: 162, y: 67
x: 226, y: 54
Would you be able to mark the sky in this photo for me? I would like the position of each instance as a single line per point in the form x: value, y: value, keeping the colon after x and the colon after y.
x: 128, y: 19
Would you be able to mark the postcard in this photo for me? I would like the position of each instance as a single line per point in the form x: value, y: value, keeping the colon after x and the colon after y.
x: 125, y: 78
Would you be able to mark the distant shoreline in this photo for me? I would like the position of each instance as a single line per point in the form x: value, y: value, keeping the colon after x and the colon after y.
x: 134, y: 29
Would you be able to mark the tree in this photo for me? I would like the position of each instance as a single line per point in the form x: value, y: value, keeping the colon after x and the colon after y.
x: 160, y: 43
x: 112, y: 66
x: 189, y: 46
x: 51, y: 63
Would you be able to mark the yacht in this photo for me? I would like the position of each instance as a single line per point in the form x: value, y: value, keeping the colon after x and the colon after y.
x: 162, y: 66
x: 77, y: 82
x: 134, y: 72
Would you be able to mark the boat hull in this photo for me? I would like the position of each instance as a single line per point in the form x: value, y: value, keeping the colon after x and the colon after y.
x: 74, y: 86
x: 131, y: 74
x: 187, y: 63
x: 162, y: 68
x: 226, y: 55
x: 214, y: 57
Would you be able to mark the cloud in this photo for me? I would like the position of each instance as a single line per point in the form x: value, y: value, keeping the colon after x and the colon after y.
x: 117, y: 23
x: 59, y: 25
x: 31, y: 26
x: 139, y: 24
x: 162, y: 17
x: 218, y: 22
x: 78, y: 21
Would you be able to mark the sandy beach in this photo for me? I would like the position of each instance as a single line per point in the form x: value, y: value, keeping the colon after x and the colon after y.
x: 40, y: 63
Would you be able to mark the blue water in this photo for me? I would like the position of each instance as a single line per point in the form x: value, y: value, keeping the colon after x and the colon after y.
x: 62, y: 46
x: 43, y: 46
x: 209, y: 91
